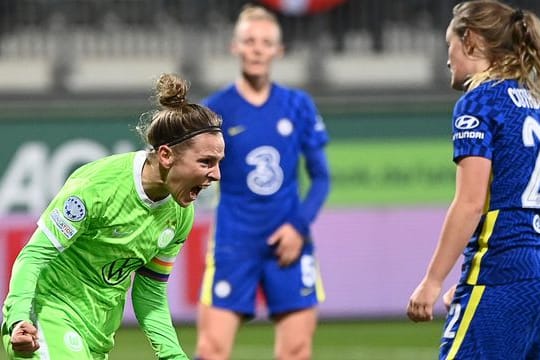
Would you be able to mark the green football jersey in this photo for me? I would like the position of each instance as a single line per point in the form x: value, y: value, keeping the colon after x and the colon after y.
x: 105, y: 228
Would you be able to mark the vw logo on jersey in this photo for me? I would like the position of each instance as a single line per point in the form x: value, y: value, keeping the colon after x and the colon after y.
x: 466, y: 122
x: 285, y: 127
x: 74, y: 209
x: 165, y: 238
x: 118, y: 270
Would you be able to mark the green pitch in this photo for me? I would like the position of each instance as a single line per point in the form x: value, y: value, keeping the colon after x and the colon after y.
x: 351, y: 340
x: 354, y: 340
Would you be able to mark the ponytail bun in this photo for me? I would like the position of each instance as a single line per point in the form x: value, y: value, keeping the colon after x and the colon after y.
x: 171, y: 91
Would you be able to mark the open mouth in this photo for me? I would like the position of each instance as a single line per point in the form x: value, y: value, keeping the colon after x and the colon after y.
x: 195, y: 191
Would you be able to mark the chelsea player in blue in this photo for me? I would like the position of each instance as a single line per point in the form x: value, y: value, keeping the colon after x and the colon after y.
x: 494, y: 219
x: 262, y: 236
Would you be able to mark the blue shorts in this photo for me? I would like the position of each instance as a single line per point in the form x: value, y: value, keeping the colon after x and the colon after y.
x: 233, y: 275
x: 493, y: 322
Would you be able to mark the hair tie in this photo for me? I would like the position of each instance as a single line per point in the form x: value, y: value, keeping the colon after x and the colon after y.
x: 517, y: 15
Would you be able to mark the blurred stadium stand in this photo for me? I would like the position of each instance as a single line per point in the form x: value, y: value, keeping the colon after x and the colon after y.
x: 102, y: 46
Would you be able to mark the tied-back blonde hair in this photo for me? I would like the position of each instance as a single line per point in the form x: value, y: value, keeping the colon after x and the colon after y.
x: 511, y: 39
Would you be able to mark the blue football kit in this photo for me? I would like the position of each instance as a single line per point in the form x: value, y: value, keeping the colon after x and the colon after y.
x: 259, y: 191
x: 495, y: 313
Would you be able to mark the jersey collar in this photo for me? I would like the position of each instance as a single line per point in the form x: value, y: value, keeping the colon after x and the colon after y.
x: 138, y: 163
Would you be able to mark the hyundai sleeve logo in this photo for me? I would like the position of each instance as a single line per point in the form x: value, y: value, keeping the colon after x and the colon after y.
x: 466, y: 122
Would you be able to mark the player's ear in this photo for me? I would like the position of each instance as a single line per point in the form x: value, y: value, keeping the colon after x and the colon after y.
x: 471, y: 42
x: 165, y: 156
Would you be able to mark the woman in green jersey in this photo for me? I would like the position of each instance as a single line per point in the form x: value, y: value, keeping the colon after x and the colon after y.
x: 123, y: 214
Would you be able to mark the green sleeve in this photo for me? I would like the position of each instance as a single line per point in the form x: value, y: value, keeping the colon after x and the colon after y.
x: 151, y: 308
x: 22, y: 287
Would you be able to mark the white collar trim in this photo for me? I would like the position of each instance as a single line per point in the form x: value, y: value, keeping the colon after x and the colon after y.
x: 138, y: 164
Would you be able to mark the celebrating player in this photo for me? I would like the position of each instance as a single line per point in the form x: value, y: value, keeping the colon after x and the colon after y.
x: 494, y: 56
x: 122, y: 214
x: 262, y: 235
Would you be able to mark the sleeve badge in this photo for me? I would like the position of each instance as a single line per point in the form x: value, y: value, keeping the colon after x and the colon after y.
x: 74, y: 209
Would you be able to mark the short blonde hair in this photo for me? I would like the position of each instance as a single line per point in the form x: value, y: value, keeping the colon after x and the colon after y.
x: 252, y: 12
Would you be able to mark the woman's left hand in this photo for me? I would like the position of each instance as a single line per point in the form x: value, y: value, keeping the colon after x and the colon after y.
x: 288, y: 244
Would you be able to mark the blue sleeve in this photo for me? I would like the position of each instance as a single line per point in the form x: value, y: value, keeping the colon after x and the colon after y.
x: 314, y: 135
x: 474, y: 124
x: 319, y: 174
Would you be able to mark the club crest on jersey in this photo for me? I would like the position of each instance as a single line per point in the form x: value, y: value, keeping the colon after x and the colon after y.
x: 165, y: 237
x: 536, y: 223
x: 285, y: 127
x: 73, y: 341
x: 74, y: 209
x: 222, y: 289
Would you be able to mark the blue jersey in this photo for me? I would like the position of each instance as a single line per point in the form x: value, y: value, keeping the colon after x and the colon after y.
x: 501, y: 121
x: 259, y: 187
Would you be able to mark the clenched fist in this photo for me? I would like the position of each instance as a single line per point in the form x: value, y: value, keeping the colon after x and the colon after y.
x: 24, y: 337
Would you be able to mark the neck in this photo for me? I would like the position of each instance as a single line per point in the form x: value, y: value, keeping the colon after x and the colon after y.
x: 152, y: 181
x: 255, y: 90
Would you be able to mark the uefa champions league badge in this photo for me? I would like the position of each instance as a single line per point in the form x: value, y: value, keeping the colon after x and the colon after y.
x: 165, y: 238
x: 74, y: 209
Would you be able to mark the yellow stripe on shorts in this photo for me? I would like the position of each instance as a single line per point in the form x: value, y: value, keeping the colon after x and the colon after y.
x: 209, y: 272
x: 476, y: 295
x: 319, y: 287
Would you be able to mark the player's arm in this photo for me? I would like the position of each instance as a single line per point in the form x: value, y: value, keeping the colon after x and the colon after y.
x: 64, y: 220
x: 290, y: 237
x: 316, y: 163
x: 313, y: 140
x: 151, y: 307
x: 31, y: 260
x: 462, y: 218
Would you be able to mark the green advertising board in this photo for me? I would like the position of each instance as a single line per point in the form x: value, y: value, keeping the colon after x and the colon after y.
x: 389, y: 154
x: 391, y: 172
